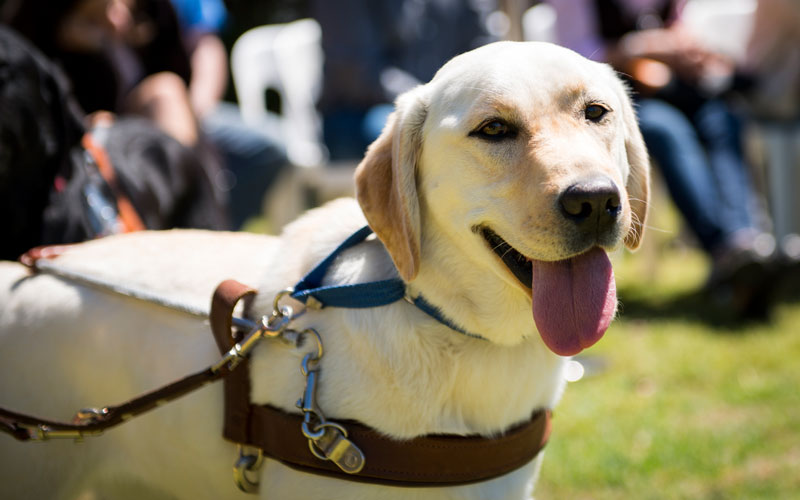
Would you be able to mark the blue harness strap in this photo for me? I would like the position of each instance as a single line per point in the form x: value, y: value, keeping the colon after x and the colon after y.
x: 361, y: 295
x: 436, y: 313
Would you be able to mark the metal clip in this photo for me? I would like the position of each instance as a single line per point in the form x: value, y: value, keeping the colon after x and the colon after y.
x: 82, y: 417
x: 271, y: 326
x: 42, y: 433
x: 277, y: 309
x: 312, y: 415
x: 327, y: 440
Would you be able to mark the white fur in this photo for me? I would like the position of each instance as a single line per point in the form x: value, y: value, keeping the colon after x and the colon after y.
x: 64, y: 347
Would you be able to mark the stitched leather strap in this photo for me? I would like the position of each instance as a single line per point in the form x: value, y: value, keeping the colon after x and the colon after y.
x: 237, y: 383
x: 434, y: 460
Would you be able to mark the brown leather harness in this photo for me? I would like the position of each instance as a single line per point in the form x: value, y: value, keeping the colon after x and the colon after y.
x: 432, y: 460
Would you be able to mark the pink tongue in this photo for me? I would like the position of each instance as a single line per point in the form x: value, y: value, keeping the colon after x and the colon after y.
x: 574, y: 301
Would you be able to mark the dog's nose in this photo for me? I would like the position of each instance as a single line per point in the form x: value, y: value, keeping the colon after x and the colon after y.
x: 592, y: 204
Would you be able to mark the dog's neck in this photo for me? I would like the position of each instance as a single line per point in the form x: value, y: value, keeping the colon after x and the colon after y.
x: 469, y: 290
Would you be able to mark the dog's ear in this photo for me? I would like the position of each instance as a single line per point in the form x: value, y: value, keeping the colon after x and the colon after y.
x: 386, y: 185
x: 638, y: 183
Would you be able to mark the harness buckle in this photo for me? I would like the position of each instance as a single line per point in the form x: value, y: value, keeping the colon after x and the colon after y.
x: 333, y: 445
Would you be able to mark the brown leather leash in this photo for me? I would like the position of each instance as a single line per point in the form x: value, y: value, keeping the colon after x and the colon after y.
x: 89, y: 422
x: 432, y: 460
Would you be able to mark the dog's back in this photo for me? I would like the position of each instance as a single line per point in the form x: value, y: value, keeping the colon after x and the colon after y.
x: 64, y: 347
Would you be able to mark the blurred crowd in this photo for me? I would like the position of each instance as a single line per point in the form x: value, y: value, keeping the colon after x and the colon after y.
x: 118, y: 115
x: 694, y: 102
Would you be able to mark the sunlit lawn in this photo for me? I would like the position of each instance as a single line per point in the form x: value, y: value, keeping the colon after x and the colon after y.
x: 674, y: 407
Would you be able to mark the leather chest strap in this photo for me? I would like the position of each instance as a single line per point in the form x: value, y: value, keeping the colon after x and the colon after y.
x: 434, y: 460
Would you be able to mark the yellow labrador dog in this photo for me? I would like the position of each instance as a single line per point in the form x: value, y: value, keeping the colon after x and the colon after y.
x: 496, y: 191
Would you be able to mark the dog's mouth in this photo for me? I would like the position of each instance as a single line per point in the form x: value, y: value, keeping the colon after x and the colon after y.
x: 573, y: 300
x: 519, y: 265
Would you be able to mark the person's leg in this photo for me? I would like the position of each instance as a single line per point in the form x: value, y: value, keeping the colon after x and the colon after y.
x: 720, y: 131
x: 253, y: 160
x: 375, y: 121
x: 674, y: 145
x: 343, y: 134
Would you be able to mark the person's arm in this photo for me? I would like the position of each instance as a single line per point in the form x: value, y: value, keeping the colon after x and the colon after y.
x: 209, y: 62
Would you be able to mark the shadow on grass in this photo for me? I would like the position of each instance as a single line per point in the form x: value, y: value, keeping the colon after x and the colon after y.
x: 693, y: 306
x: 745, y: 305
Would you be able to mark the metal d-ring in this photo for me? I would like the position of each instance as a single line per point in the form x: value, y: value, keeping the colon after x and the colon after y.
x: 244, y: 464
x: 276, y: 307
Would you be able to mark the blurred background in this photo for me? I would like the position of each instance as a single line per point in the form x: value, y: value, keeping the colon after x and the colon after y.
x: 121, y: 115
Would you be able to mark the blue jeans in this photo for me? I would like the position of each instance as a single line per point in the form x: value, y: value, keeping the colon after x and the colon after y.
x: 252, y: 159
x: 700, y: 158
x: 348, y: 132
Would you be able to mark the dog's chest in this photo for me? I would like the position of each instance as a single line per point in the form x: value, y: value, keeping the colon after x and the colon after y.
x: 406, y: 375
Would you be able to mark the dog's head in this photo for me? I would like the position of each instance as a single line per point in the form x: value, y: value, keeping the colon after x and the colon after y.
x: 527, y: 159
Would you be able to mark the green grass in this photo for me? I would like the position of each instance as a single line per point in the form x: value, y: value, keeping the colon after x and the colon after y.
x: 684, y: 405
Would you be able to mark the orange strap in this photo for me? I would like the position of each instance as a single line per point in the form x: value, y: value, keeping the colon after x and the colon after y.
x: 128, y: 217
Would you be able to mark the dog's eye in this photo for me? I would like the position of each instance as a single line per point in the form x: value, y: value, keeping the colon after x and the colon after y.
x: 495, y: 130
x: 594, y: 112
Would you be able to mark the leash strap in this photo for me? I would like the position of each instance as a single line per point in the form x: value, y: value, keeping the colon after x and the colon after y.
x: 92, y: 422
x: 27, y: 427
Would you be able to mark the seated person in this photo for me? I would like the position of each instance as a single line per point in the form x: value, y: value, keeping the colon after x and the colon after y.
x: 64, y: 180
x: 691, y: 134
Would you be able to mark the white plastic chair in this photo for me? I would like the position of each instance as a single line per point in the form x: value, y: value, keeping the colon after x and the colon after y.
x: 722, y: 25
x: 539, y: 24
x: 288, y: 59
